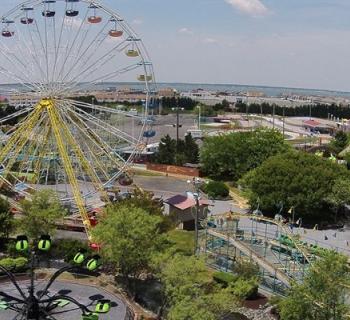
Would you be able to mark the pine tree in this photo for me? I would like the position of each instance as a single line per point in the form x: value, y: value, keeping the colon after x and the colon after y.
x: 191, y: 150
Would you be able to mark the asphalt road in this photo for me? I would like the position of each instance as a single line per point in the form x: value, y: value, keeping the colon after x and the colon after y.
x: 83, y: 294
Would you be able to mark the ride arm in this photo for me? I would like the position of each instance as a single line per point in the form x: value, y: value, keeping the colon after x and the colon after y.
x: 13, y: 280
x: 83, y: 308
x: 55, y: 276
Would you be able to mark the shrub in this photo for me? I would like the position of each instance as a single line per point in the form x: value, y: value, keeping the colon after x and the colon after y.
x: 20, y: 264
x: 224, y: 278
x: 14, y: 264
x: 216, y: 189
x: 245, y: 289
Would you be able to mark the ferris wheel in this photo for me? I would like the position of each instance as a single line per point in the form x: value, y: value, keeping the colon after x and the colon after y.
x: 55, y: 58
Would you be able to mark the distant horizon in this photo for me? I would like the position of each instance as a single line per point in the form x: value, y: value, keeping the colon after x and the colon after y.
x: 254, y: 86
x: 213, y: 84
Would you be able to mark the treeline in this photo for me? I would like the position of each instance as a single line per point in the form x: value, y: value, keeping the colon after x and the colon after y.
x: 182, y: 102
x: 318, y: 111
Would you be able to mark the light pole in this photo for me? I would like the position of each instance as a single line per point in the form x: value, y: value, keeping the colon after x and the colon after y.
x: 178, y: 125
x: 199, y: 117
x: 196, y: 183
x: 283, y: 120
x: 38, y: 305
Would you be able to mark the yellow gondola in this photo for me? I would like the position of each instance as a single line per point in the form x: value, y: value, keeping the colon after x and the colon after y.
x: 132, y: 53
x: 142, y: 77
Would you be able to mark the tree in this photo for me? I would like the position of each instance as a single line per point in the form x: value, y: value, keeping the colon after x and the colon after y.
x: 145, y: 200
x: 41, y: 214
x: 340, y: 194
x: 190, y: 292
x: 340, y: 141
x: 322, y: 295
x: 166, y: 151
x: 184, y: 276
x: 232, y: 155
x: 296, y: 179
x: 6, y: 218
x: 191, y: 149
x: 129, y: 237
x: 177, y: 152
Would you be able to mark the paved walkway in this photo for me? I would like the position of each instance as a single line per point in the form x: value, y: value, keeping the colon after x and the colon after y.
x: 82, y: 293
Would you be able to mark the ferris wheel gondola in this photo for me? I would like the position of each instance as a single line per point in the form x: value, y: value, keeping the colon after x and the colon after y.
x: 61, y: 140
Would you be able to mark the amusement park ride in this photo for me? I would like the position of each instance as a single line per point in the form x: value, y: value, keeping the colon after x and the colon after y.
x: 281, y: 256
x: 53, y: 52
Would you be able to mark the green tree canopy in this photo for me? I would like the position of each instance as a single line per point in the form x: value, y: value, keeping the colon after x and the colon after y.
x: 323, y: 293
x: 6, y: 219
x: 296, y: 179
x: 129, y: 237
x: 191, y: 149
x: 340, y: 141
x: 166, y: 151
x: 145, y: 200
x: 231, y: 156
x: 41, y: 214
x: 190, y: 292
x: 172, y: 152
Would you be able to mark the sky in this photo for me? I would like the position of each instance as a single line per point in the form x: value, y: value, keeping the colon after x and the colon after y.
x: 291, y: 43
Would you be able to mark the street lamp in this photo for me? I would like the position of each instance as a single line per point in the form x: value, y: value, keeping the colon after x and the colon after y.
x: 38, y: 305
x: 196, y: 183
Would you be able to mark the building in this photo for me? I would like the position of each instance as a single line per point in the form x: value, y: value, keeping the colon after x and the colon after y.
x: 315, y: 126
x: 182, y: 209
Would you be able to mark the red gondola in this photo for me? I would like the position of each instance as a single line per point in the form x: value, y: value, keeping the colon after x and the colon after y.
x: 48, y: 13
x: 94, y: 19
x: 27, y: 20
x: 72, y: 13
x: 115, y: 33
x: 7, y: 34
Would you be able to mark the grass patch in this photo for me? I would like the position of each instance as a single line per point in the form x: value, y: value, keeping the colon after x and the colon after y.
x: 183, y: 241
x: 304, y: 140
x: 146, y: 173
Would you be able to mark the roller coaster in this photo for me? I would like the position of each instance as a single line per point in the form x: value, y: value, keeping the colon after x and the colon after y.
x: 281, y: 256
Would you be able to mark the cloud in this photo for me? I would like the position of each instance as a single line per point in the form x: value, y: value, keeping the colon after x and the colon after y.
x: 209, y: 40
x: 252, y: 7
x: 74, y: 23
x: 186, y: 31
x: 137, y: 21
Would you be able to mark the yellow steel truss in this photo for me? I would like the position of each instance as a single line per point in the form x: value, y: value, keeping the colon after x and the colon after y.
x: 79, y: 153
x: 19, y: 139
x: 57, y: 131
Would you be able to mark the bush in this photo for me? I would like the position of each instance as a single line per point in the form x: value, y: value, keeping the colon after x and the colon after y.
x: 245, y: 289
x: 14, y: 264
x: 224, y: 278
x: 216, y: 189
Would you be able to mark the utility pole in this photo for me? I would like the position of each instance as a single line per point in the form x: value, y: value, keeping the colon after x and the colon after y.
x: 177, y: 109
x: 177, y: 124
x: 196, y: 222
x: 273, y: 116
x: 283, y: 120
x: 310, y: 111
x: 196, y: 182
x: 199, y: 117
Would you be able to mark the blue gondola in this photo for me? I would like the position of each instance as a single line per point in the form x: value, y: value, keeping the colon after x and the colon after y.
x: 72, y: 13
x: 149, y: 134
x: 48, y: 13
